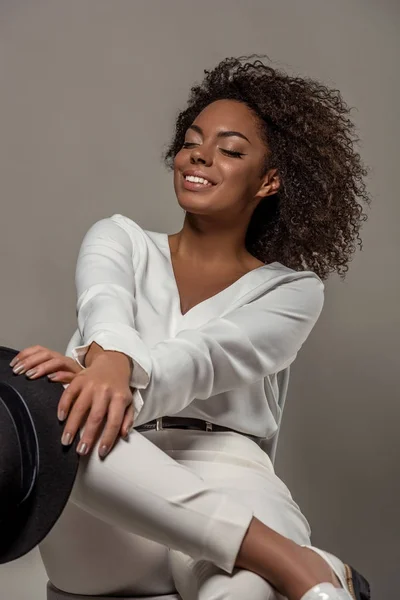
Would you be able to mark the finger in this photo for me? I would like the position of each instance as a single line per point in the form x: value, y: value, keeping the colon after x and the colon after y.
x: 30, y: 361
x: 77, y: 416
x: 25, y: 353
x: 73, y: 365
x: 127, y: 423
x: 115, y: 416
x: 38, y: 367
x: 62, y: 376
x: 94, y: 422
x: 68, y: 397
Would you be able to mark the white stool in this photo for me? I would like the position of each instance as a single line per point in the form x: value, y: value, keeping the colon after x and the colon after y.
x: 54, y: 594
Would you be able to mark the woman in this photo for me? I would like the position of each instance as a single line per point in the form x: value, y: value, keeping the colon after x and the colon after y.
x: 200, y: 326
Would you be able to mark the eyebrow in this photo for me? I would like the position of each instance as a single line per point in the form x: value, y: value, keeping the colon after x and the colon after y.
x: 222, y: 134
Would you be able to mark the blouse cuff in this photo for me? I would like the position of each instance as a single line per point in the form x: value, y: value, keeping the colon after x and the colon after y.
x: 130, y: 345
x: 137, y: 402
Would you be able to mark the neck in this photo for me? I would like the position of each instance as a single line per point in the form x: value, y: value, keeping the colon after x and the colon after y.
x: 202, y: 239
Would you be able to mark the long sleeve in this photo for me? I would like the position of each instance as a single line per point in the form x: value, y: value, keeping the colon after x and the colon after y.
x: 106, y: 303
x: 256, y: 340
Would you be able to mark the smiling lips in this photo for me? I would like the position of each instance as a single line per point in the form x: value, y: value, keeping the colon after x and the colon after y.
x: 195, y: 180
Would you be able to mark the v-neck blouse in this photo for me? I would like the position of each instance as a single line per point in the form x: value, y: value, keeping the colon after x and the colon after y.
x: 163, y: 241
x: 222, y: 360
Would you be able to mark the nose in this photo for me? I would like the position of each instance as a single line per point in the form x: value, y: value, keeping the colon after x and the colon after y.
x: 200, y: 156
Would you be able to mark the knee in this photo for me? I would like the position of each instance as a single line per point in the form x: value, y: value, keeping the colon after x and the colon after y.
x: 204, y: 581
x: 242, y: 584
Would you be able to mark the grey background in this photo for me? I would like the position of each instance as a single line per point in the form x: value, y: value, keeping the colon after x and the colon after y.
x: 89, y: 91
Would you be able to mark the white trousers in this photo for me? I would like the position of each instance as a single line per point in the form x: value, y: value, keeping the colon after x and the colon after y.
x: 167, y: 511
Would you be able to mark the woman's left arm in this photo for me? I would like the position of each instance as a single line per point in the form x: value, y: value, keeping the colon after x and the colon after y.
x: 244, y: 346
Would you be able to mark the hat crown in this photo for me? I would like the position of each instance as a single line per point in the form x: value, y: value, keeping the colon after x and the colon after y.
x: 36, y: 471
x: 10, y: 462
x: 20, y: 453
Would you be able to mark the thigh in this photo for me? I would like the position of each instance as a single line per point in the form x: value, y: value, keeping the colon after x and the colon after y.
x: 235, y: 466
x: 85, y: 555
x: 264, y: 493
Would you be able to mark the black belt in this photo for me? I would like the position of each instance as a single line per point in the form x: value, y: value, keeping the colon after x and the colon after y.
x: 186, y: 423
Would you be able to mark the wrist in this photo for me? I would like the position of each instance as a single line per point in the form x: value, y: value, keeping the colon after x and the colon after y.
x: 93, y: 351
x: 97, y: 355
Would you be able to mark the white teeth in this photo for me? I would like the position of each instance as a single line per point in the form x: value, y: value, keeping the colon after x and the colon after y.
x: 197, y: 179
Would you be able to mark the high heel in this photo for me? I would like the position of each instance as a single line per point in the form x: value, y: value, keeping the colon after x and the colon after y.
x: 326, y: 591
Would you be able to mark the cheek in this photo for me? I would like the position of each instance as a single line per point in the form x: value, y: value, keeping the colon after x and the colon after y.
x: 242, y: 181
x: 238, y: 174
x: 178, y: 167
x: 179, y: 160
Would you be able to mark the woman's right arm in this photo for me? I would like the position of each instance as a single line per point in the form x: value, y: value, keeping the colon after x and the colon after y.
x: 106, y: 302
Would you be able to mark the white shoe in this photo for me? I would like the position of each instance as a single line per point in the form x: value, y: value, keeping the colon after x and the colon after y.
x: 327, y: 591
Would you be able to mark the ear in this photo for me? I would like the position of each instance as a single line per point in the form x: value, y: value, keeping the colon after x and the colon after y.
x: 270, y: 184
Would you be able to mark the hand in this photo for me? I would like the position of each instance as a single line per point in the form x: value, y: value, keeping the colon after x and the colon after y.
x: 37, y: 361
x: 99, y: 392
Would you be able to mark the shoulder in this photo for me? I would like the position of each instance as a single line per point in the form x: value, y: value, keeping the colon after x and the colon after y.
x: 129, y: 225
x: 299, y: 289
x: 118, y: 235
x: 133, y: 229
x: 275, y: 275
x: 120, y: 229
x: 281, y: 273
x: 126, y: 235
x: 276, y: 284
x: 305, y: 280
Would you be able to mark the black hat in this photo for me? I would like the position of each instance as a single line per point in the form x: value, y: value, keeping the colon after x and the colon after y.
x: 36, y: 471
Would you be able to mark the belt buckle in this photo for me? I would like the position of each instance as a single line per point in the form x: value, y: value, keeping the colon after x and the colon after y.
x: 209, y: 426
x: 159, y: 424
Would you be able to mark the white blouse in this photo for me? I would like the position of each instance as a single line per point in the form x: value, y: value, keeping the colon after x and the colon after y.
x: 223, y: 360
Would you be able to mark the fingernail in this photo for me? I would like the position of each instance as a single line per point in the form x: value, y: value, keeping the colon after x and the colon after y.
x: 20, y: 369
x: 103, y: 451
x: 129, y: 430
x: 83, y: 449
x: 31, y: 372
x: 66, y: 439
x: 61, y: 415
x: 51, y: 375
x: 14, y: 362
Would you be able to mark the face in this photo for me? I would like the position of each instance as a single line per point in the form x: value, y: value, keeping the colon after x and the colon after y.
x: 224, y: 148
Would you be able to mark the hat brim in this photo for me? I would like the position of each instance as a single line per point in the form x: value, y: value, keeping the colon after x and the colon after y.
x: 58, y: 464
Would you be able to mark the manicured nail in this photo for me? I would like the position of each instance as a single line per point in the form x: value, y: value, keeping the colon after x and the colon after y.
x: 103, y: 451
x: 31, y: 372
x: 61, y: 415
x: 19, y: 370
x: 66, y: 439
x: 83, y: 449
x: 14, y: 362
x: 51, y: 375
x: 129, y: 430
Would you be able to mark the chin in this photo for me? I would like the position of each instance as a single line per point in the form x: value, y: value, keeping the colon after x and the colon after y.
x: 190, y: 203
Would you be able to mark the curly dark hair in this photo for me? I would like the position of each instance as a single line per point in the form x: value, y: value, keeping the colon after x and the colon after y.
x: 313, y: 221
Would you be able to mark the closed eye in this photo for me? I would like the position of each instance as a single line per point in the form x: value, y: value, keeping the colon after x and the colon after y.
x: 232, y: 153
